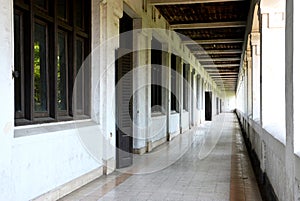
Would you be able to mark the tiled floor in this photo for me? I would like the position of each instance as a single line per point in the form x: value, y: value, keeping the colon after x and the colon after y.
x: 208, y: 163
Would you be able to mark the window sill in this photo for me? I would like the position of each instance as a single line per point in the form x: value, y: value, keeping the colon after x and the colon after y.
x: 157, y: 114
x: 174, y: 112
x: 36, y: 129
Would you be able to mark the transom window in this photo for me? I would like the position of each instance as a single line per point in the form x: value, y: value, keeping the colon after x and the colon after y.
x: 52, y: 40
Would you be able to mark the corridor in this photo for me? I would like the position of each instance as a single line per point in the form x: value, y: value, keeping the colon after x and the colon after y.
x: 214, y: 166
x: 149, y: 100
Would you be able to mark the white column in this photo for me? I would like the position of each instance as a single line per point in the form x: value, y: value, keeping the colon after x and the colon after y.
x: 296, y: 84
x: 189, y: 92
x: 272, y: 67
x: 180, y: 84
x: 148, y: 37
x: 290, y: 85
x: 7, y: 99
x: 195, y: 100
x: 110, y: 12
x: 249, y: 81
x: 166, y: 86
x: 141, y: 83
x: 255, y: 43
x: 296, y: 73
x: 245, y: 100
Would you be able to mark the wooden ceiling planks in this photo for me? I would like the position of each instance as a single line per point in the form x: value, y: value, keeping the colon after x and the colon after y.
x: 213, y: 30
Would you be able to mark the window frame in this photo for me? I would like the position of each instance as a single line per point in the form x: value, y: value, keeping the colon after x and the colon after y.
x: 21, y: 113
x: 31, y: 14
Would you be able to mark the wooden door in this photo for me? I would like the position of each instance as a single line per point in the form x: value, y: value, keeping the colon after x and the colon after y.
x: 208, y: 106
x: 124, y: 108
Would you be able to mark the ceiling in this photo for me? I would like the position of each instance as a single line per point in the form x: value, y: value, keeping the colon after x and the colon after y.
x: 218, y: 28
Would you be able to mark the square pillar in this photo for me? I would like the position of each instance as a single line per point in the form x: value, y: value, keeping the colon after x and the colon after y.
x: 141, y: 87
x: 272, y: 69
x: 291, y: 98
x: 110, y: 13
x: 256, y: 84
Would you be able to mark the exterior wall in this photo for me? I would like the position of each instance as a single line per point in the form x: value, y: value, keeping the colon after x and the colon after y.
x: 271, y: 154
x: 41, y: 162
x: 36, y: 159
x: 270, y: 131
x: 7, y: 100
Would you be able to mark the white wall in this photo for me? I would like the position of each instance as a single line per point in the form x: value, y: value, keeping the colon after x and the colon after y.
x: 42, y: 157
x: 184, y: 121
x: 273, y: 67
x: 41, y: 162
x: 39, y: 157
x: 158, y: 128
x: 7, y: 99
x: 174, y: 124
x: 271, y: 153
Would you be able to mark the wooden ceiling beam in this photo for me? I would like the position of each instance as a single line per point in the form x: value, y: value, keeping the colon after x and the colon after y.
x: 221, y: 66
x: 224, y: 73
x: 212, y: 25
x: 223, y: 77
x: 225, y: 81
x: 232, y: 51
x: 220, y: 59
x: 213, y: 41
x: 176, y: 2
x: 222, y: 69
x: 228, y: 73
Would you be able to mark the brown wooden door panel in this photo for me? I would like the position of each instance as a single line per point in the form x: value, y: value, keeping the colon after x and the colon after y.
x: 208, y: 106
x: 124, y: 108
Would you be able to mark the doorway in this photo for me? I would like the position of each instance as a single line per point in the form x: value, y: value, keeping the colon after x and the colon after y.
x: 208, y: 106
x: 124, y: 94
x: 217, y: 105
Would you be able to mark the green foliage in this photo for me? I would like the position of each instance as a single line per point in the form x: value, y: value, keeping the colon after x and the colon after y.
x: 37, y: 76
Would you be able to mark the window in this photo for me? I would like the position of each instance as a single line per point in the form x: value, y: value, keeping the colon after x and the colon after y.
x: 174, y: 94
x: 52, y: 40
x: 185, y: 87
x: 156, y: 76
